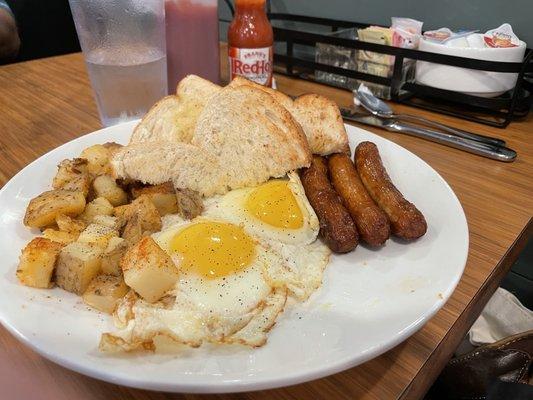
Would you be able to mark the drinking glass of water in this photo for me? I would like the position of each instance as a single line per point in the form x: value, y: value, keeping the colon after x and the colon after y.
x: 123, y: 42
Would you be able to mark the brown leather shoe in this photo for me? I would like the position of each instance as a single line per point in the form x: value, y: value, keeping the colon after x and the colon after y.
x: 468, y: 377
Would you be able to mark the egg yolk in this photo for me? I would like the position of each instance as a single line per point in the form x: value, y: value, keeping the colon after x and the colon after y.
x: 213, y: 249
x: 275, y: 204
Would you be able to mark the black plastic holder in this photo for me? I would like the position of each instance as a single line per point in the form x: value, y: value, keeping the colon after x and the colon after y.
x: 498, y: 111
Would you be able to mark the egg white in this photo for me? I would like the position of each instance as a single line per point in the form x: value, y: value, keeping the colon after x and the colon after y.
x: 240, y: 307
x: 226, y: 303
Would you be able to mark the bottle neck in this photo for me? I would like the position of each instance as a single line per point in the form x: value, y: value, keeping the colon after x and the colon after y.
x: 250, y: 7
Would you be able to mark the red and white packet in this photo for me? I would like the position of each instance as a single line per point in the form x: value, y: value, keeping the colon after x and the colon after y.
x: 502, y: 36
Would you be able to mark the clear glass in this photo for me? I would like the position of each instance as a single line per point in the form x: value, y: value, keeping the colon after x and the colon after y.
x: 123, y: 42
x: 192, y: 40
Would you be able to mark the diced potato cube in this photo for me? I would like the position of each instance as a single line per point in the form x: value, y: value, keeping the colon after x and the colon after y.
x: 43, y: 209
x: 70, y: 225
x: 132, y: 232
x: 81, y: 183
x: 115, y: 250
x: 105, y: 186
x: 149, y: 270
x: 112, y: 147
x: 163, y: 196
x: 115, y: 223
x: 97, y: 234
x: 59, y: 236
x: 104, y: 292
x: 99, y: 206
x: 73, y: 175
x: 77, y: 265
x: 37, y: 262
x: 144, y: 207
x: 97, y: 157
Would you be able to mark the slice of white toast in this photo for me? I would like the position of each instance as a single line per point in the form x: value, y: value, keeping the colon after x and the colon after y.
x: 281, y: 97
x: 319, y: 117
x: 173, y: 118
x: 252, y: 135
x: 322, y: 123
x: 186, y: 165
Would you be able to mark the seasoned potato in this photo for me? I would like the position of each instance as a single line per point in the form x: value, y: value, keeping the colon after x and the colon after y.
x: 60, y: 236
x: 149, y: 270
x: 163, y: 196
x: 115, y: 223
x: 112, y: 147
x: 70, y: 225
x: 105, y: 186
x: 115, y: 250
x: 104, y: 292
x: 99, y: 206
x: 97, y: 234
x: 97, y: 157
x: 73, y: 175
x: 132, y: 232
x: 43, y: 209
x: 37, y: 262
x: 144, y: 207
x: 77, y: 265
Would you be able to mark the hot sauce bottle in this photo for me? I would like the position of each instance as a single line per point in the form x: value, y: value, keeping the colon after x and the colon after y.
x: 250, y: 40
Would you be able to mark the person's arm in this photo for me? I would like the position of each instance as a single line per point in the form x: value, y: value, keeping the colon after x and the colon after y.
x: 9, y: 37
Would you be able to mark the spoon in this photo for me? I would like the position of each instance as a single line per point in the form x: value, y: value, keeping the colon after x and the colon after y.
x: 381, y: 109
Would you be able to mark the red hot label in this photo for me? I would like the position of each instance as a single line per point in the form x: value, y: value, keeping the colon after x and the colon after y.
x: 253, y: 64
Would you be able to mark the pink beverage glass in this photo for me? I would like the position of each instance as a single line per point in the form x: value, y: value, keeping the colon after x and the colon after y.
x: 123, y: 42
x: 192, y: 40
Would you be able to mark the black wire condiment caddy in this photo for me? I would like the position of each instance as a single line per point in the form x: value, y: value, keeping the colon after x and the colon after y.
x: 498, y: 111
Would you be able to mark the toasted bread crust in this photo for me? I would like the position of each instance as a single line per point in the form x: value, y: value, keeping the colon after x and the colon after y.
x: 322, y: 122
x: 212, y: 140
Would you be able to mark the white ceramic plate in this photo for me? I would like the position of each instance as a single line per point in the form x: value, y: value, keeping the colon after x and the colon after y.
x: 370, y: 300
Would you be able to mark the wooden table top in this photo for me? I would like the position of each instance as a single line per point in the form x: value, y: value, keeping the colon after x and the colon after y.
x: 48, y: 102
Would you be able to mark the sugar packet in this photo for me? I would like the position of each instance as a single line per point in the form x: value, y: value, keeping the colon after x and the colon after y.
x: 406, y: 32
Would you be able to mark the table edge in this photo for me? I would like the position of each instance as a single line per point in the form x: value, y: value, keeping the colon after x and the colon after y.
x: 438, y: 359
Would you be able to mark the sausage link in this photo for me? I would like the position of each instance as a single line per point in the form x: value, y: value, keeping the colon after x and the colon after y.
x: 336, y: 226
x: 372, y: 223
x: 407, y: 222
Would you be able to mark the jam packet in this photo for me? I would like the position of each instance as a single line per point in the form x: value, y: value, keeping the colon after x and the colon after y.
x: 438, y: 35
x: 502, y: 36
x: 444, y: 35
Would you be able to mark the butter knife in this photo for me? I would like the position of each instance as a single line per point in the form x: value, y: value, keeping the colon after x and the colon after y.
x: 498, y: 153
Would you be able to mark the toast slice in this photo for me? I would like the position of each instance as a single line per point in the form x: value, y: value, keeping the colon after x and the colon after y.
x: 319, y: 117
x: 173, y: 118
x: 281, y: 97
x: 322, y: 123
x: 252, y: 135
x: 185, y: 165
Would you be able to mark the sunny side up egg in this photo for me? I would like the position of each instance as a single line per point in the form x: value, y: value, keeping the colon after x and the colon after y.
x: 276, y: 210
x: 238, y: 263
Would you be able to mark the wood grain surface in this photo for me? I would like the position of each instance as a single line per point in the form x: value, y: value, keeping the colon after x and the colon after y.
x: 45, y: 103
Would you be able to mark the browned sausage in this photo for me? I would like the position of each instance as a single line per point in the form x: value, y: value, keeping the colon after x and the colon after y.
x: 336, y: 226
x: 407, y: 222
x: 372, y: 223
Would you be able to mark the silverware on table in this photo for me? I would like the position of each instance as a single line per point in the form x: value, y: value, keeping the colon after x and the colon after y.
x: 499, y: 153
x: 379, y: 108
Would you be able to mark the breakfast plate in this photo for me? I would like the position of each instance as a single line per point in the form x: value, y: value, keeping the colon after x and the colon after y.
x: 369, y: 301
